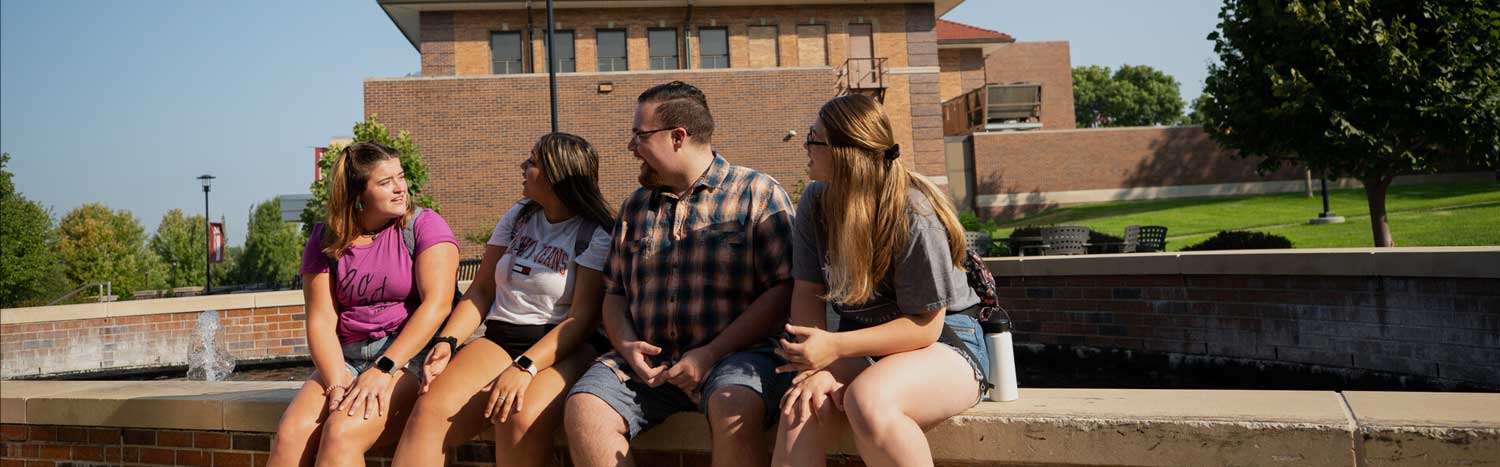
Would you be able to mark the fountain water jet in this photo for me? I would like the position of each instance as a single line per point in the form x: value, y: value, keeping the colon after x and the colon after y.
x: 208, y: 360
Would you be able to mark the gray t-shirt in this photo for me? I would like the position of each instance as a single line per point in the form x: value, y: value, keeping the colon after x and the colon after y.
x: 922, y: 278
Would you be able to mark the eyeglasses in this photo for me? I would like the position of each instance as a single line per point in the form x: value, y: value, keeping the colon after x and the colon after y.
x: 813, y: 142
x: 637, y: 135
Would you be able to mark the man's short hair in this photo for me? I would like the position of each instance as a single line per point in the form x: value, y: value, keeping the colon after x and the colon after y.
x: 681, y: 105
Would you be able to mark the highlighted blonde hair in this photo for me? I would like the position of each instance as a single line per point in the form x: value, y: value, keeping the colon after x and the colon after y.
x: 865, y: 204
x: 346, y: 182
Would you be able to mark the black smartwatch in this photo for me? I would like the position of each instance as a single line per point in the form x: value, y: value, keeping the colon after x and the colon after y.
x: 452, y: 342
x: 385, y: 364
x: 523, y: 362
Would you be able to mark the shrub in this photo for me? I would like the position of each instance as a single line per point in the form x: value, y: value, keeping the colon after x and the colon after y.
x: 1241, y: 240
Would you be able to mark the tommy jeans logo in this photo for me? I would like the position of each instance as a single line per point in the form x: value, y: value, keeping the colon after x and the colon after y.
x: 522, y: 270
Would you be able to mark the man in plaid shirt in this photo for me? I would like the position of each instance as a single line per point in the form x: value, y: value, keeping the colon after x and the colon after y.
x: 698, y: 280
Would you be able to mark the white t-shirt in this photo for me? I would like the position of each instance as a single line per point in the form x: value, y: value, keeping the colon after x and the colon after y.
x: 532, y: 284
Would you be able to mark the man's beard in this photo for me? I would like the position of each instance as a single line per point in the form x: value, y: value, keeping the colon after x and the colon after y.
x: 649, y: 178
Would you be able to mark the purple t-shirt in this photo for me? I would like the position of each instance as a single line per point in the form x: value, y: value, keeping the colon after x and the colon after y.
x: 373, y: 290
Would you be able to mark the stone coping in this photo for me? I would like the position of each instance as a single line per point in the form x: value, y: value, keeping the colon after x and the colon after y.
x: 1468, y: 261
x: 1471, y: 262
x: 157, y: 306
x: 1044, y: 427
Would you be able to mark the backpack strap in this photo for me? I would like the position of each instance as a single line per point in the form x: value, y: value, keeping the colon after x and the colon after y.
x: 585, y: 235
x: 409, y: 233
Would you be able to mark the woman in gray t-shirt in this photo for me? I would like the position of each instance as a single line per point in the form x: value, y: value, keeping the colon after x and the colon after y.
x: 883, y: 246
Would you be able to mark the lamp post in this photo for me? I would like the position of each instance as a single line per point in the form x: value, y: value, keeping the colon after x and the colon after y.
x: 1326, y: 217
x: 208, y: 252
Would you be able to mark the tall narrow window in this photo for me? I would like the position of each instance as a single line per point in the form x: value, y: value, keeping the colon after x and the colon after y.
x: 663, y: 45
x: 611, y: 46
x: 713, y: 47
x: 505, y: 53
x: 565, y: 61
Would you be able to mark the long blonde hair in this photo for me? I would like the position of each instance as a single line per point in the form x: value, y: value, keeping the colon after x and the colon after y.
x: 865, y: 205
x: 347, y: 180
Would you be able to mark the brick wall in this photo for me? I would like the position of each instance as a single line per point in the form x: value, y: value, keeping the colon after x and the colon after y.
x: 1442, y: 328
x: 963, y: 71
x: 1048, y: 63
x: 1116, y: 158
x: 69, y: 446
x: 146, y: 341
x: 474, y: 132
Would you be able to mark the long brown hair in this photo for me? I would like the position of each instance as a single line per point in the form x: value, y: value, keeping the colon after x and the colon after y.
x: 346, y: 182
x: 571, y: 166
x: 865, y: 205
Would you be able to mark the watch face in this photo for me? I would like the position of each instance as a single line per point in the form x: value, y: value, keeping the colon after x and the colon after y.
x: 385, y: 364
x: 524, y: 362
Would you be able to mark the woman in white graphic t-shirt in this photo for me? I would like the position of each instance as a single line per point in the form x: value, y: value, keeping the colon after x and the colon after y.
x: 538, y: 291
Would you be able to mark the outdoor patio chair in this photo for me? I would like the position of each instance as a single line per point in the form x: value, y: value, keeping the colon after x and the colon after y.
x: 1149, y: 238
x: 1065, y: 240
x: 978, y: 242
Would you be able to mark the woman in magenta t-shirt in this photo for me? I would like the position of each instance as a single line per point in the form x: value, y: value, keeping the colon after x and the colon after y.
x: 372, y: 308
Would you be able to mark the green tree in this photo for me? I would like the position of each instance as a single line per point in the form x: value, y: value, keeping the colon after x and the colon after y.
x: 273, y: 247
x: 1358, y: 88
x: 370, y: 130
x: 180, y: 244
x: 30, y: 270
x: 1134, y: 95
x: 98, y: 244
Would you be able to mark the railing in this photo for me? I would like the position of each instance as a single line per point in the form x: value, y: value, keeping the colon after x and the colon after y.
x: 1016, y: 106
x: 862, y: 74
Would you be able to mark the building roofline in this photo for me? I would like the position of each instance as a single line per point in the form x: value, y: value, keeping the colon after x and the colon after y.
x: 407, y: 14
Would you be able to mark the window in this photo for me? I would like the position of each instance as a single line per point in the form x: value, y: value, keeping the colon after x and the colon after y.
x: 713, y: 48
x: 663, y: 45
x: 505, y: 53
x: 566, y: 62
x: 611, y: 46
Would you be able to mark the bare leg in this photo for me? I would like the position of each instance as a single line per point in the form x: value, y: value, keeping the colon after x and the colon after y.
x: 525, y: 439
x: 452, y: 411
x: 735, y: 418
x: 301, y: 426
x: 889, y: 403
x: 347, y: 438
x: 806, y: 444
x: 596, y: 433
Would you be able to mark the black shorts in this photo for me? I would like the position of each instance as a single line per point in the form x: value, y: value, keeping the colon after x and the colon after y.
x: 516, y: 339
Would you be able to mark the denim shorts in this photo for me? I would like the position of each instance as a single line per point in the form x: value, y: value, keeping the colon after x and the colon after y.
x: 360, y: 355
x: 643, y: 407
x: 968, y: 331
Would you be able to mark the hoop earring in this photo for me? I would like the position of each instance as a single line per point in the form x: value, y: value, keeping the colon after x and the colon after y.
x: 358, y: 206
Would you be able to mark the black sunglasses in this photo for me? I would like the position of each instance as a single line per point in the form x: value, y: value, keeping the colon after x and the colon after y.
x: 813, y: 142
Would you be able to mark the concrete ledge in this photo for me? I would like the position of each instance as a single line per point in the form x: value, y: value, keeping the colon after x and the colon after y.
x: 1045, y: 427
x: 157, y: 306
x: 1470, y: 262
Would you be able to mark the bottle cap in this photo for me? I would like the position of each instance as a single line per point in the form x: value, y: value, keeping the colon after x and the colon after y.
x: 995, y: 326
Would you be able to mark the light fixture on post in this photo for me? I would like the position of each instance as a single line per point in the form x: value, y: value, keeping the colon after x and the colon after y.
x: 208, y: 242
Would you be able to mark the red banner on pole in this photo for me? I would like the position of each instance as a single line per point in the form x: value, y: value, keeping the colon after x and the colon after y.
x: 318, y: 163
x: 216, y: 242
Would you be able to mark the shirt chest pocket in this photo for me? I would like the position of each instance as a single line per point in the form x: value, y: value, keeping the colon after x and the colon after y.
x: 722, y: 242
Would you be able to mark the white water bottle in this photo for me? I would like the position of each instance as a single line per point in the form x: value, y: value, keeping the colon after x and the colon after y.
x: 1002, y: 360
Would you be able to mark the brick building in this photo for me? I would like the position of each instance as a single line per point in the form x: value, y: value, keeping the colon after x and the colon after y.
x: 766, y: 66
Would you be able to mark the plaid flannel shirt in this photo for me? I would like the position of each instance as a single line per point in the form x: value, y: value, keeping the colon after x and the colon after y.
x: 689, y: 266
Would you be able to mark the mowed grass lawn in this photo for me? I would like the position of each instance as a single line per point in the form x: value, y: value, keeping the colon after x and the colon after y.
x: 1459, y: 214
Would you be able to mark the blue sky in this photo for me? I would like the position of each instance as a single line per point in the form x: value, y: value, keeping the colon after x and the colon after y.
x: 127, y: 102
